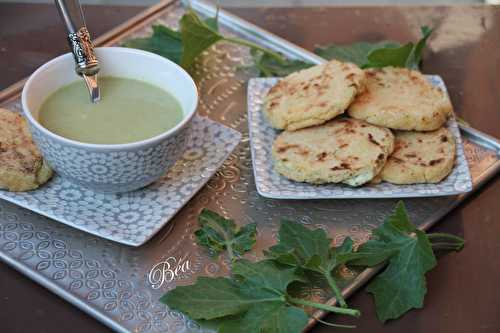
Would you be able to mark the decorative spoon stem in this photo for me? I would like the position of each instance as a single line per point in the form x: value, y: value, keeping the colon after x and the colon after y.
x: 91, y: 83
x: 81, y: 45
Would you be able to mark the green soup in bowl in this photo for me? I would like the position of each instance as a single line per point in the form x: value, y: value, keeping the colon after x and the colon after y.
x: 138, y: 130
x: 130, y: 111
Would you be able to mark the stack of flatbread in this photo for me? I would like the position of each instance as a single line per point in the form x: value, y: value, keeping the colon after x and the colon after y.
x: 345, y: 125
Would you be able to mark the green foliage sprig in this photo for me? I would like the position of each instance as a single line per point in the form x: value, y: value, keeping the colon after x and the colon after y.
x: 256, y: 297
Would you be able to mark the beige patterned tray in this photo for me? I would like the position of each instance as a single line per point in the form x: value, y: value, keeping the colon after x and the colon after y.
x: 112, y: 282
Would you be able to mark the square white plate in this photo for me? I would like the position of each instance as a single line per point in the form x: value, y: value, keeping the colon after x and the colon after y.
x: 133, y: 218
x: 272, y: 185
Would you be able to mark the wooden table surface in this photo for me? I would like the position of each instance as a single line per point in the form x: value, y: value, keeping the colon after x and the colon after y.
x: 463, y: 293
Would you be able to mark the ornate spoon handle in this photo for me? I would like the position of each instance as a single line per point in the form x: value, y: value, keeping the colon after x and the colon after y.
x: 80, y: 44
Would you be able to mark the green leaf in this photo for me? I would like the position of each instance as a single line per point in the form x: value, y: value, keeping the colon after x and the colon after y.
x: 356, y: 53
x: 302, y: 247
x: 389, y: 56
x: 310, y: 250
x: 197, y: 36
x: 381, y: 54
x: 256, y: 299
x: 398, y: 219
x: 265, y: 274
x: 164, y: 41
x: 213, y: 22
x: 209, y: 298
x: 344, y: 254
x: 219, y: 234
x: 408, y: 55
x: 182, y: 47
x: 273, y: 317
x: 269, y: 66
x: 416, y: 56
x: 401, y: 286
x: 373, y: 253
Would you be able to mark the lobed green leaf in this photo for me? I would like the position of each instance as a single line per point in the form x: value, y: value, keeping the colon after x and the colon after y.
x: 269, y: 66
x: 389, y: 56
x: 380, y: 54
x: 164, y: 41
x: 197, y: 36
x: 254, y: 301
x: 401, y: 286
x: 272, y: 317
x: 219, y: 234
x: 208, y: 298
x: 356, y: 53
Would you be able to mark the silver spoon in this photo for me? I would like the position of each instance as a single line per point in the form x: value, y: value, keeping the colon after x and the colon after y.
x: 81, y: 45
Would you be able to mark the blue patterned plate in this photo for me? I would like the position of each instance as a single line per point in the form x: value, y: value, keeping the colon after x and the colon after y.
x: 272, y: 185
x: 133, y: 218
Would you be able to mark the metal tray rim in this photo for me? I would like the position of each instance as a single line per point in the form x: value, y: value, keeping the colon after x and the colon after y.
x: 279, y: 43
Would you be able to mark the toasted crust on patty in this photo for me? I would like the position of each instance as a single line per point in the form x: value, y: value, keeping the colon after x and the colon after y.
x: 420, y: 157
x: 401, y: 99
x: 313, y: 96
x: 22, y: 167
x: 343, y: 150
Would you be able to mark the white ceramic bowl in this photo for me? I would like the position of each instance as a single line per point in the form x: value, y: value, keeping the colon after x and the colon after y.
x: 118, y: 167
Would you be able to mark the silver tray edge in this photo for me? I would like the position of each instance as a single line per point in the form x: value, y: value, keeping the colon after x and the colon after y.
x: 277, y: 43
x: 46, y: 283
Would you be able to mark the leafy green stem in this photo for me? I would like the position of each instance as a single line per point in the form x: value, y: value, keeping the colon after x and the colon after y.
x: 443, y: 241
x: 442, y: 235
x: 230, y: 251
x: 254, y: 46
x: 335, y: 288
x: 332, y: 324
x: 326, y: 307
x: 264, y: 71
x: 447, y: 246
x: 229, y: 247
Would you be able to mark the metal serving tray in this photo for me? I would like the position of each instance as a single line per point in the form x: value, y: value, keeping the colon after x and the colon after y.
x: 112, y: 282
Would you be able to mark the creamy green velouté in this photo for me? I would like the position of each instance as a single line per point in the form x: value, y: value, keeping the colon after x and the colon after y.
x: 129, y: 111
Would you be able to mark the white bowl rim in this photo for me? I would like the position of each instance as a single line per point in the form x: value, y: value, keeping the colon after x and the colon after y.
x: 106, y: 147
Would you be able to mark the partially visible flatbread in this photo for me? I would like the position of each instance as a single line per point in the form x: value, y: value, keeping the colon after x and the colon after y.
x: 22, y: 167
